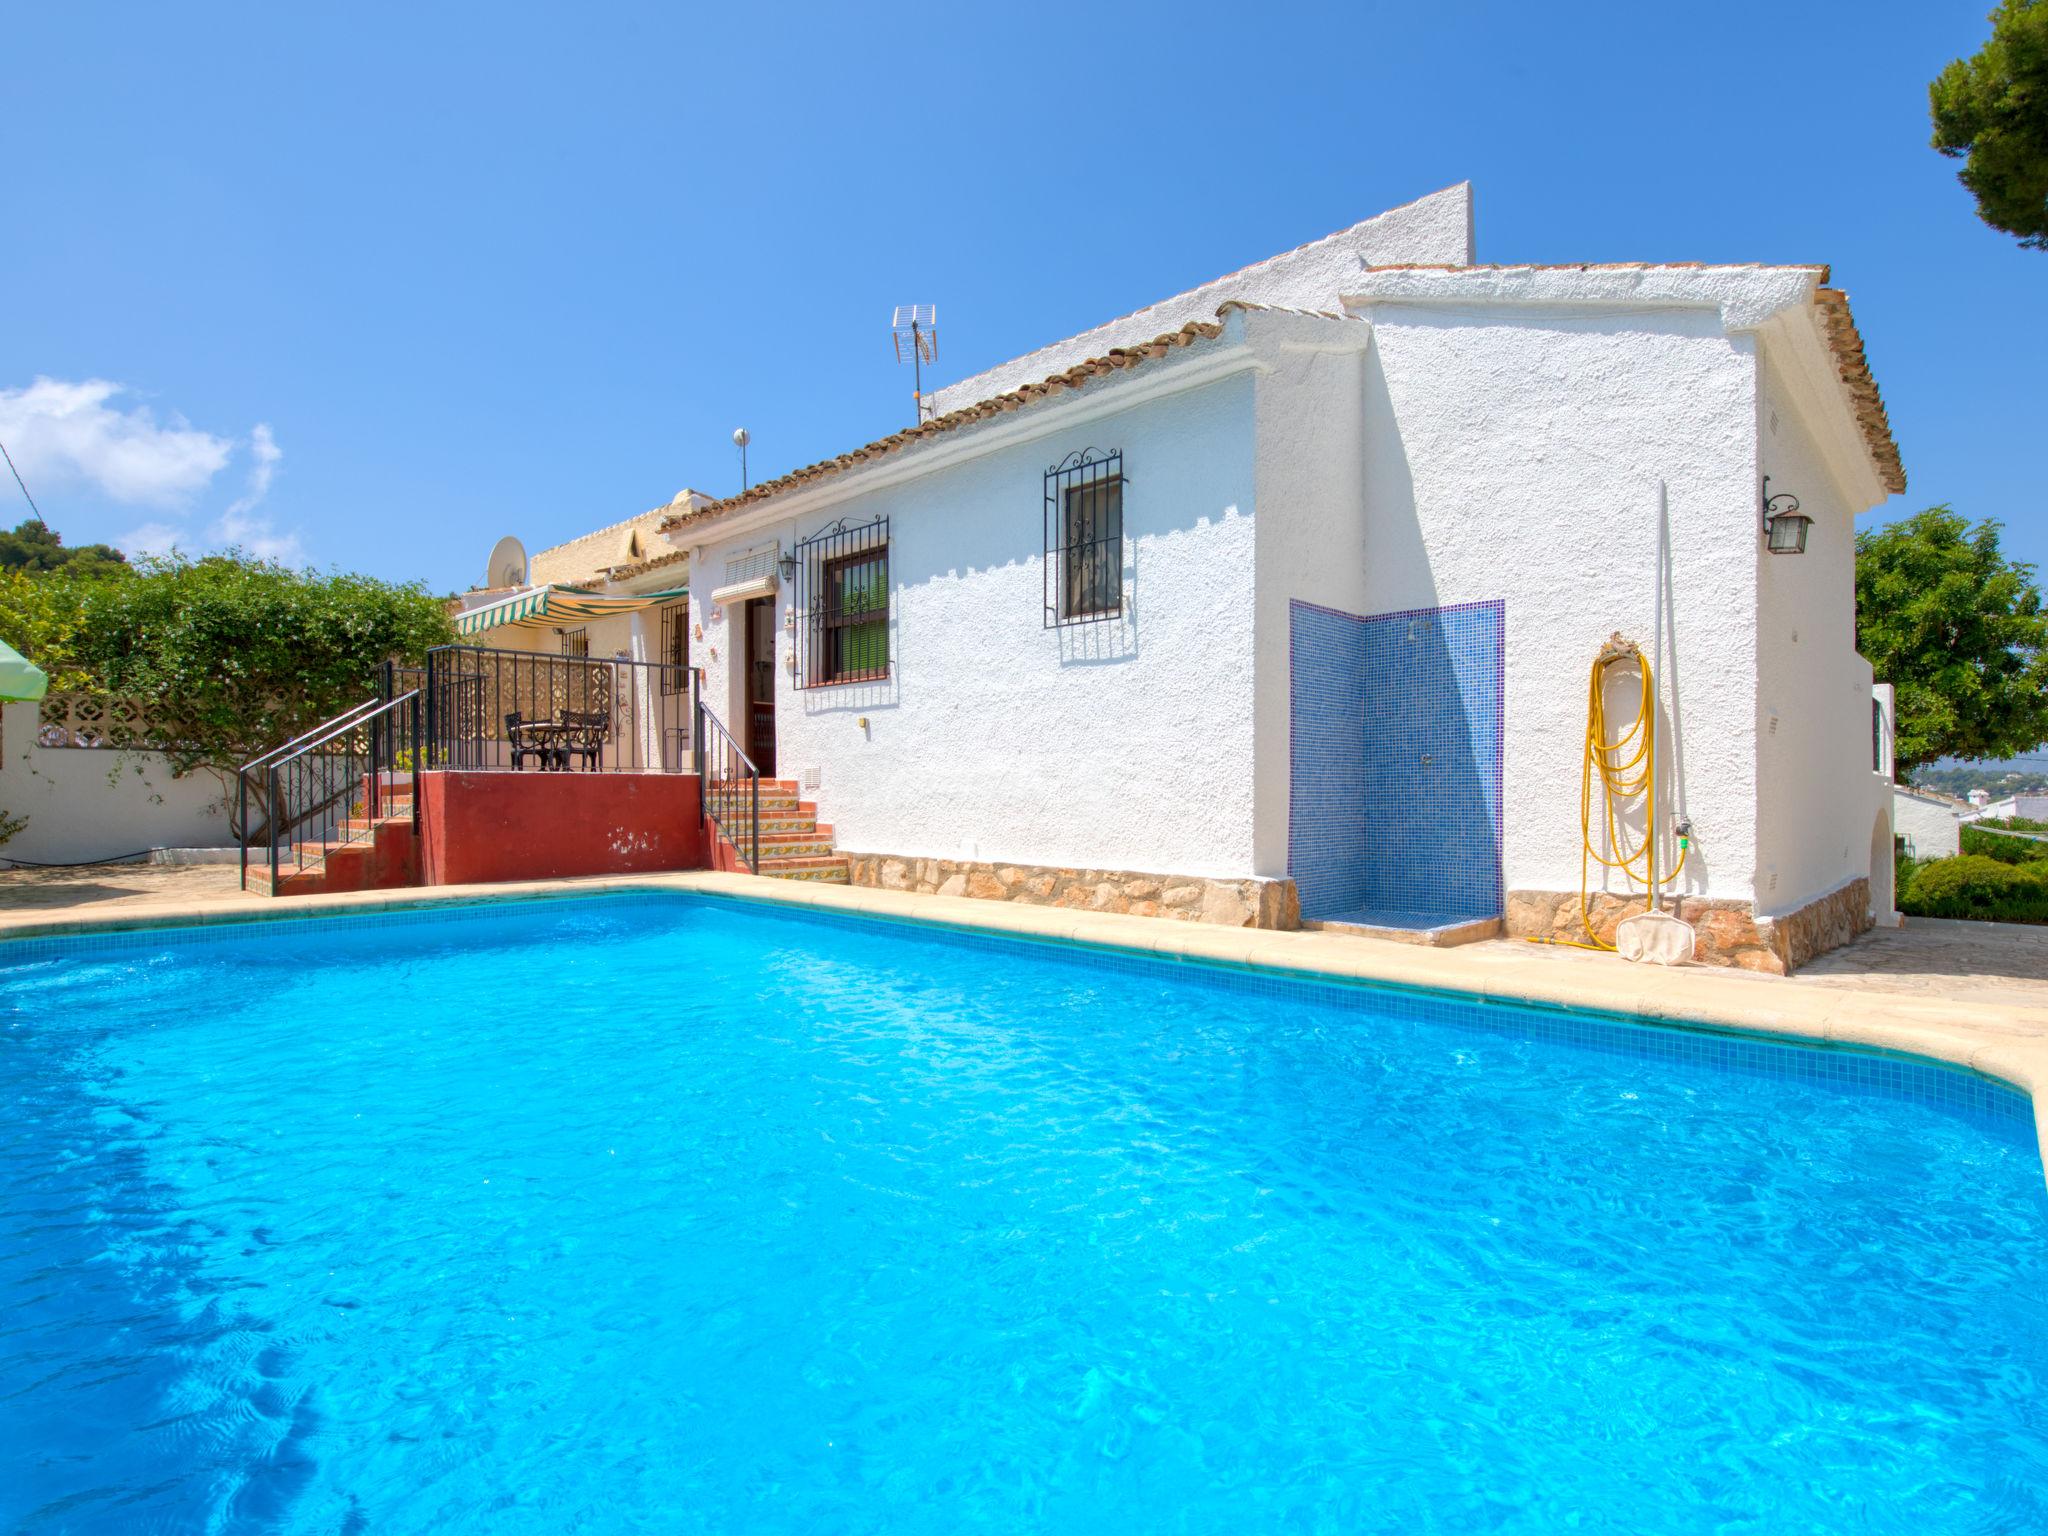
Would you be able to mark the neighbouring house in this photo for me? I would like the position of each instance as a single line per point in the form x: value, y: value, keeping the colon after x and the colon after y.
x: 1928, y: 825
x: 616, y: 592
x: 1278, y: 598
x: 2023, y: 807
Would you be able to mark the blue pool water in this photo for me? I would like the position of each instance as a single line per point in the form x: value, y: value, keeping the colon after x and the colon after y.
x: 678, y: 1215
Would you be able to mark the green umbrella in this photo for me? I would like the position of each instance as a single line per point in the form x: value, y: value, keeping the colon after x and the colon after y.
x: 20, y: 678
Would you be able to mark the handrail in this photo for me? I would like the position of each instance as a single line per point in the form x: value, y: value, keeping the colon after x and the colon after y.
x: 717, y: 755
x: 354, y: 710
x: 367, y: 765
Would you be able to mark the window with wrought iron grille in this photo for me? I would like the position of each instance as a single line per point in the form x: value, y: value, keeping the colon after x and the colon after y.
x: 1084, y: 538
x: 842, y: 601
x: 575, y: 642
x: 675, y: 648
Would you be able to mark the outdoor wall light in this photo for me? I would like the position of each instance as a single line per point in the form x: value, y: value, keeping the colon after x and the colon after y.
x: 1784, y: 525
x: 787, y: 565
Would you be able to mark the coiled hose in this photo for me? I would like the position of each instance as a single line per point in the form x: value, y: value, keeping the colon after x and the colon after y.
x: 1625, y: 767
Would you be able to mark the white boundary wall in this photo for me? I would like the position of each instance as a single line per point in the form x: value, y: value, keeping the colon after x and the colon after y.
x: 85, y: 803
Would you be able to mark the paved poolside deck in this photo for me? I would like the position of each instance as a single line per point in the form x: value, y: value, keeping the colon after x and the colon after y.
x: 1972, y: 994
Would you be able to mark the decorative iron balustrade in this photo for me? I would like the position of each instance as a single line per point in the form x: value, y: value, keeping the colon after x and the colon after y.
x: 496, y: 709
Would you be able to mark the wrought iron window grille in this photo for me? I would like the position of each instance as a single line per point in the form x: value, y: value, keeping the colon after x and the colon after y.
x: 575, y: 642
x: 1084, y: 538
x: 675, y: 648
x: 842, y: 605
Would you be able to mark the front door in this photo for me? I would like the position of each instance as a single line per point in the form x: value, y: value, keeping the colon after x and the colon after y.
x: 760, y: 675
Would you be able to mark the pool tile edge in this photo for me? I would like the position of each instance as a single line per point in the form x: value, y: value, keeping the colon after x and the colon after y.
x: 2005, y: 1043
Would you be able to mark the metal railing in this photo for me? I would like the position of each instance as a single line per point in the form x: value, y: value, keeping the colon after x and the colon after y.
x: 329, y: 787
x: 491, y: 709
x: 731, y: 787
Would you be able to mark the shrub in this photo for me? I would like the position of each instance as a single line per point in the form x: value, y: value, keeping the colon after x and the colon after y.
x: 2007, y: 850
x: 1970, y: 885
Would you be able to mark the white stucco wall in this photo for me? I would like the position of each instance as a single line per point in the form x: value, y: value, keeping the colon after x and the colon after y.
x: 84, y: 804
x: 1434, y: 229
x: 1933, y: 828
x: 1527, y: 453
x: 1822, y: 799
x: 1312, y: 532
x: 1125, y: 744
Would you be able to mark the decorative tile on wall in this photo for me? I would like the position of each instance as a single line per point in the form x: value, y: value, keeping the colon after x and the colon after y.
x: 1397, y: 744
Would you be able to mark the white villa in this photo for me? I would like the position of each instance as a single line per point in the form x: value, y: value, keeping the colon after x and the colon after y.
x: 1276, y: 601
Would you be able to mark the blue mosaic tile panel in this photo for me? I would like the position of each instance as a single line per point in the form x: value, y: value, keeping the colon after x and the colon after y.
x: 1397, y: 745
x: 1326, y: 803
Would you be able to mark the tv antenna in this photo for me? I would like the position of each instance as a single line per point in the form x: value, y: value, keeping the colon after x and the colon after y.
x: 915, y: 330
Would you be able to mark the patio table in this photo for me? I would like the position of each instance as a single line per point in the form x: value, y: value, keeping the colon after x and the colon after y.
x: 551, y: 736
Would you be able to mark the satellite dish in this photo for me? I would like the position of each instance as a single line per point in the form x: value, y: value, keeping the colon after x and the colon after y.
x: 508, y: 564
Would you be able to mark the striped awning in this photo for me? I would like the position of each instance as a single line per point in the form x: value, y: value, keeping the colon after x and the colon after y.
x: 550, y: 606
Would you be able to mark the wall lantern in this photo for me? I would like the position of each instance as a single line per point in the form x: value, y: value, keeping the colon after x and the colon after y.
x: 787, y: 566
x: 1784, y: 524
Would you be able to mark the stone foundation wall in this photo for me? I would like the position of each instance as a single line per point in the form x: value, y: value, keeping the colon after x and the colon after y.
x: 1250, y: 903
x: 1727, y: 932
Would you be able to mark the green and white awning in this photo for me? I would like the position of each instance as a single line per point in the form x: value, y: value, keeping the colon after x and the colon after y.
x: 551, y: 606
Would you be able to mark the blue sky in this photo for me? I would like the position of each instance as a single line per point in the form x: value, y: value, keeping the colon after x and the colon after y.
x: 371, y: 286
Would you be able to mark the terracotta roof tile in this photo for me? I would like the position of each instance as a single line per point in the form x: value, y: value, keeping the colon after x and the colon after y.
x: 642, y: 567
x: 1115, y: 360
x: 1847, y: 344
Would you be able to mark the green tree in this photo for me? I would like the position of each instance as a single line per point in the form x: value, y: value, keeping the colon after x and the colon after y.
x: 1958, y: 631
x: 1991, y: 111
x: 35, y: 546
x: 227, y: 656
x: 41, y: 615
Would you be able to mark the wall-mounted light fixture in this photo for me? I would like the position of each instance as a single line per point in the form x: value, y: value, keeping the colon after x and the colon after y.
x: 787, y: 566
x: 1784, y: 524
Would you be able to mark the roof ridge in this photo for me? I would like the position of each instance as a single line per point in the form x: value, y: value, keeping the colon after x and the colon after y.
x: 1234, y: 272
x: 591, y: 533
x: 1603, y: 266
x: 1115, y: 360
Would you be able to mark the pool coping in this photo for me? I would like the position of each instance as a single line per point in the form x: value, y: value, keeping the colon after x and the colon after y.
x: 2003, y: 1042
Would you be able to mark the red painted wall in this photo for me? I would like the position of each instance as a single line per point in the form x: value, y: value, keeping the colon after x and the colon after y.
x: 486, y: 827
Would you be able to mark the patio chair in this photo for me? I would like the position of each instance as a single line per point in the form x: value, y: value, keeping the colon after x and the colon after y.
x: 522, y: 748
x: 588, y: 729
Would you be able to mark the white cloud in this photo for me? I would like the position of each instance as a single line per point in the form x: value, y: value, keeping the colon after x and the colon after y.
x: 149, y: 539
x: 61, y: 433
x: 241, y: 525
x: 86, y: 434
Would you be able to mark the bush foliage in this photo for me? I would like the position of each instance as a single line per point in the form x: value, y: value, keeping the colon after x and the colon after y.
x: 1972, y: 885
x: 225, y: 655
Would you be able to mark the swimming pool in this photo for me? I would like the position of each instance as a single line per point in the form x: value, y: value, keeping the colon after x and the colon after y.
x: 671, y: 1213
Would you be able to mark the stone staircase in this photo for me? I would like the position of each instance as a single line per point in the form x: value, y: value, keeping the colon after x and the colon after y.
x: 380, y: 853
x: 793, y: 845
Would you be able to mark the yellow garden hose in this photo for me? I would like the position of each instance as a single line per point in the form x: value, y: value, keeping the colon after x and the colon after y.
x: 1626, y: 767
